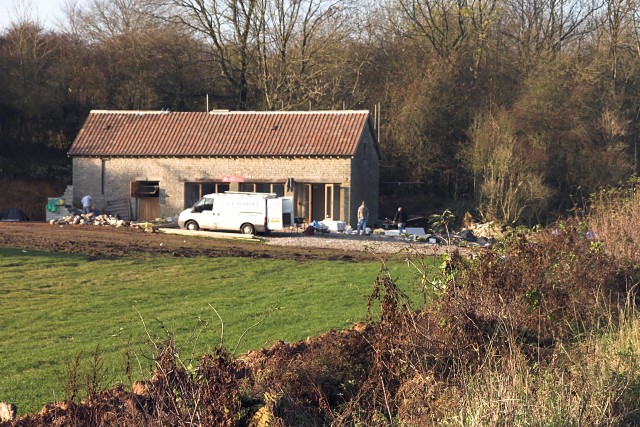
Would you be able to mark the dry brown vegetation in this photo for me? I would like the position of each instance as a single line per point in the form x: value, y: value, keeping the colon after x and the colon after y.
x: 614, y: 217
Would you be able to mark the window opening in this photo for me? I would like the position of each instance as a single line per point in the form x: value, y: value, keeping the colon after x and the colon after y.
x: 247, y: 187
x: 194, y: 191
x: 143, y: 189
x: 262, y: 187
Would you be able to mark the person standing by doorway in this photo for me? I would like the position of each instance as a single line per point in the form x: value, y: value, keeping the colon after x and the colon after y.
x: 87, y: 201
x: 401, y: 219
x: 363, y: 217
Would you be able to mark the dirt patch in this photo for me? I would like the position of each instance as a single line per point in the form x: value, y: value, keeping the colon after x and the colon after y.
x: 109, y: 242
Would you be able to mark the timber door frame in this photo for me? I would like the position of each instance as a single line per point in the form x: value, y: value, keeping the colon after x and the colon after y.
x: 302, y: 200
x: 329, y: 191
x: 327, y: 200
x: 147, y: 195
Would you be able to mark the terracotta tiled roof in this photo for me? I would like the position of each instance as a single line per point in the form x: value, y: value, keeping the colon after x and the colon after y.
x: 121, y: 133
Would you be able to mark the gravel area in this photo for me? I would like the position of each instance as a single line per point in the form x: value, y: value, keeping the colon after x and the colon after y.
x: 350, y: 242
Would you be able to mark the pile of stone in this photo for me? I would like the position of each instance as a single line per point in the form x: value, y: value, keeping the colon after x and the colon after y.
x: 102, y: 220
x: 487, y: 229
x: 90, y: 219
x: 7, y: 412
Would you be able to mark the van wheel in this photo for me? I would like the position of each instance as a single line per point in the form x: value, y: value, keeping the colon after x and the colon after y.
x: 191, y: 225
x: 247, y: 229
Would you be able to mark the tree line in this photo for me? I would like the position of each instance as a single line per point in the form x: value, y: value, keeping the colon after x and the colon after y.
x: 515, y: 110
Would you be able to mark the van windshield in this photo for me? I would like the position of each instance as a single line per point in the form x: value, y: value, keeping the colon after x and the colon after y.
x: 204, y: 204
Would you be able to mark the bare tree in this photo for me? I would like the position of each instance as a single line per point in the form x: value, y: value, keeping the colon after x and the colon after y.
x: 449, y: 25
x: 297, y: 41
x: 508, y: 183
x: 146, y: 62
x: 117, y: 28
x: 102, y: 21
x: 29, y: 54
x: 544, y: 28
x: 616, y: 22
x: 227, y: 26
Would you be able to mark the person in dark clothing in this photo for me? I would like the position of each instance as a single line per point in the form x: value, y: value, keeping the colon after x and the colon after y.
x: 401, y: 219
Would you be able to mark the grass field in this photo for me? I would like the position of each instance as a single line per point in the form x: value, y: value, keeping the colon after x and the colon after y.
x: 57, y: 306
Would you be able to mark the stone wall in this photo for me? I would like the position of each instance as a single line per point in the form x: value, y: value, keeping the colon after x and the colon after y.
x: 365, y: 180
x: 110, y: 178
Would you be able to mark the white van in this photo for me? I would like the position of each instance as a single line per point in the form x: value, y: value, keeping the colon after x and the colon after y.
x: 249, y: 213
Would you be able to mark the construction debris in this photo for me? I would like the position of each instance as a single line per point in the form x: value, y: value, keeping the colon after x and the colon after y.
x: 487, y: 230
x: 102, y: 220
x: 7, y: 412
x: 58, y: 207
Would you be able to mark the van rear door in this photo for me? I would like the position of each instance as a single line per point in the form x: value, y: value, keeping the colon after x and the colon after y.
x: 279, y: 213
x: 274, y: 214
x: 287, y: 211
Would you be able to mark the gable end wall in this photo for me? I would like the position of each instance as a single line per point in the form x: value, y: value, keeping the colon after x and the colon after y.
x: 365, y: 179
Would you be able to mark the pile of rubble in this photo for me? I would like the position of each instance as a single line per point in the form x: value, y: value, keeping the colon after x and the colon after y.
x: 7, y: 412
x: 102, y: 219
x: 487, y: 229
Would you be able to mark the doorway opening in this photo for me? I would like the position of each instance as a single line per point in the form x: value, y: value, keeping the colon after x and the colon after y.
x: 147, y: 195
x: 317, y: 201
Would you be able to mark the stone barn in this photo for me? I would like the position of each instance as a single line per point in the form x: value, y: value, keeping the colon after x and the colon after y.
x: 153, y: 164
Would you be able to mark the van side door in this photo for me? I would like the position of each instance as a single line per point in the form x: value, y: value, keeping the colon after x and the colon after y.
x: 204, y: 213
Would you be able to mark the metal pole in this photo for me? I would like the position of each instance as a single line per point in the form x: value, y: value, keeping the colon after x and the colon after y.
x: 379, y: 108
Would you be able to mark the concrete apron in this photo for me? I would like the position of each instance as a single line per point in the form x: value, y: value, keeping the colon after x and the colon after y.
x: 203, y: 233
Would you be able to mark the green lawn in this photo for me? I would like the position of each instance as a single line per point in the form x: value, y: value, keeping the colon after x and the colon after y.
x: 56, y: 306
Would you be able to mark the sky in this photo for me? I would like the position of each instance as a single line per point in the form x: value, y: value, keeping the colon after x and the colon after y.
x: 48, y: 12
